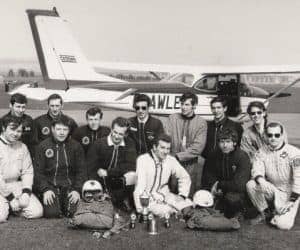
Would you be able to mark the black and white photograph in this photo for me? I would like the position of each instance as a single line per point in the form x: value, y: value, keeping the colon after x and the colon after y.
x: 149, y: 124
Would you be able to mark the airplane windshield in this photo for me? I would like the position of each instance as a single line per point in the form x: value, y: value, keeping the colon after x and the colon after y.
x: 185, y: 78
x: 207, y: 84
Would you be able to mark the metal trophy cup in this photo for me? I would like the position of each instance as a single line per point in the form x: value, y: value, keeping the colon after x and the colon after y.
x: 145, y: 199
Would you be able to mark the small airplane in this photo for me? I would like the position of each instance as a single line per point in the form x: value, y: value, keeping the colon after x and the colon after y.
x: 66, y: 71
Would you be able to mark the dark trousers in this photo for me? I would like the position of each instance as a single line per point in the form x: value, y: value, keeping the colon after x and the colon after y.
x: 61, y: 205
x: 232, y: 203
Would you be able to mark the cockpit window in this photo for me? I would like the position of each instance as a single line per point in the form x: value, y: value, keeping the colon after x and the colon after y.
x: 185, y: 78
x: 207, y: 84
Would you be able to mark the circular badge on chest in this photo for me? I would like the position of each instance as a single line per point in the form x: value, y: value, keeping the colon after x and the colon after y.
x: 49, y: 153
x: 85, y: 140
x: 45, y: 131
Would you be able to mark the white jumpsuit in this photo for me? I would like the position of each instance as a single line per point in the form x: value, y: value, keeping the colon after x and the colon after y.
x: 281, y: 169
x: 16, y: 174
x: 153, y: 177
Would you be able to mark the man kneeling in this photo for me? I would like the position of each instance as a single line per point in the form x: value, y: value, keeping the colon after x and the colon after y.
x: 16, y: 173
x: 153, y: 172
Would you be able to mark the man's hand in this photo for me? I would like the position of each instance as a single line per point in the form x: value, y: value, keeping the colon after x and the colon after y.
x: 130, y: 178
x: 48, y: 198
x: 14, y: 204
x: 74, y: 197
x: 215, y: 191
x: 102, y: 172
x: 263, y: 183
x: 24, y: 200
x: 285, y: 208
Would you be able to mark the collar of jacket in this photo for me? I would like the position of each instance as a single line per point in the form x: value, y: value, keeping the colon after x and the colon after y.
x: 222, y: 122
x: 277, y: 149
x: 111, y: 143
x: 184, y: 117
x: 59, y: 142
x: 52, y: 118
x: 88, y: 128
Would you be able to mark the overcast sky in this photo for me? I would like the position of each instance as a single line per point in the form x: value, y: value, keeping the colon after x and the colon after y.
x: 199, y: 32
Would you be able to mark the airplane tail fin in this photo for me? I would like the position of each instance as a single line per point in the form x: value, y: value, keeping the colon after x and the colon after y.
x: 61, y: 59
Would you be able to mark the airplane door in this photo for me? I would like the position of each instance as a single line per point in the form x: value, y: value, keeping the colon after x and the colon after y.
x: 228, y: 88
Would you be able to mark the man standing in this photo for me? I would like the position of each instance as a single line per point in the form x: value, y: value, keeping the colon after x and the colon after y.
x: 226, y: 172
x: 111, y: 160
x: 43, y: 122
x: 276, y: 179
x: 16, y: 173
x: 153, y: 172
x: 87, y: 134
x: 18, y: 103
x: 221, y: 122
x: 144, y: 128
x: 188, y: 133
x: 59, y: 170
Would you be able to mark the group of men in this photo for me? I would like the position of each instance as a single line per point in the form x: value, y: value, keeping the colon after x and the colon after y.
x: 44, y: 162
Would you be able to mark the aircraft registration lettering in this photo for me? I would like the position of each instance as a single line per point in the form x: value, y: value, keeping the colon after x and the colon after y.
x: 165, y: 101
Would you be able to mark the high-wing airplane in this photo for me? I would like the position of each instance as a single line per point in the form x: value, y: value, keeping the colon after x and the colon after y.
x: 66, y: 71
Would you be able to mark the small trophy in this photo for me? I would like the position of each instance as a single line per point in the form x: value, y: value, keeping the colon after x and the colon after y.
x: 144, y: 199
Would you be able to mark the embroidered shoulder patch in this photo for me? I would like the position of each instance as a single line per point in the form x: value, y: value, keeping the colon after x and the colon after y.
x: 85, y: 140
x: 49, y: 153
x: 296, y: 161
x: 45, y: 131
x: 283, y: 154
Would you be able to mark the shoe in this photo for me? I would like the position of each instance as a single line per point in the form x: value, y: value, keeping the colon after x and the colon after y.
x: 259, y: 219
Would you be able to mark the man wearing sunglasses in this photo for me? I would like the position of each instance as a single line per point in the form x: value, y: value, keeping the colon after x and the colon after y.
x: 144, y: 128
x: 276, y: 179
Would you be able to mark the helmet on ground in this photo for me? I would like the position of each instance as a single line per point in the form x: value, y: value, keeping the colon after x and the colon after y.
x: 92, y: 190
x: 203, y: 198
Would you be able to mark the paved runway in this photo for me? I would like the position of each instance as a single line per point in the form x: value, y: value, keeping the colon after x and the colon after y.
x: 291, y: 121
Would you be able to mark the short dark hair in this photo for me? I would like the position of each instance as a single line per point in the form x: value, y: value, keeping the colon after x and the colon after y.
x: 14, y: 121
x: 141, y: 98
x: 219, y: 99
x: 63, y: 120
x: 161, y: 137
x: 94, y: 111
x: 121, y: 121
x: 256, y: 104
x: 274, y: 125
x: 54, y: 97
x: 189, y: 95
x: 227, y: 134
x: 19, y: 98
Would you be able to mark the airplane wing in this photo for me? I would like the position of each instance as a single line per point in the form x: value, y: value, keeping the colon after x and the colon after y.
x: 193, y: 69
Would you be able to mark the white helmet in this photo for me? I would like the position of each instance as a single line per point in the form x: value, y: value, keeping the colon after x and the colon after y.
x: 92, y: 186
x: 203, y: 198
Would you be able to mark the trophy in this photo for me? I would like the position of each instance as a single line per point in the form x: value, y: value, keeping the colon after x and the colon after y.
x: 144, y: 199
